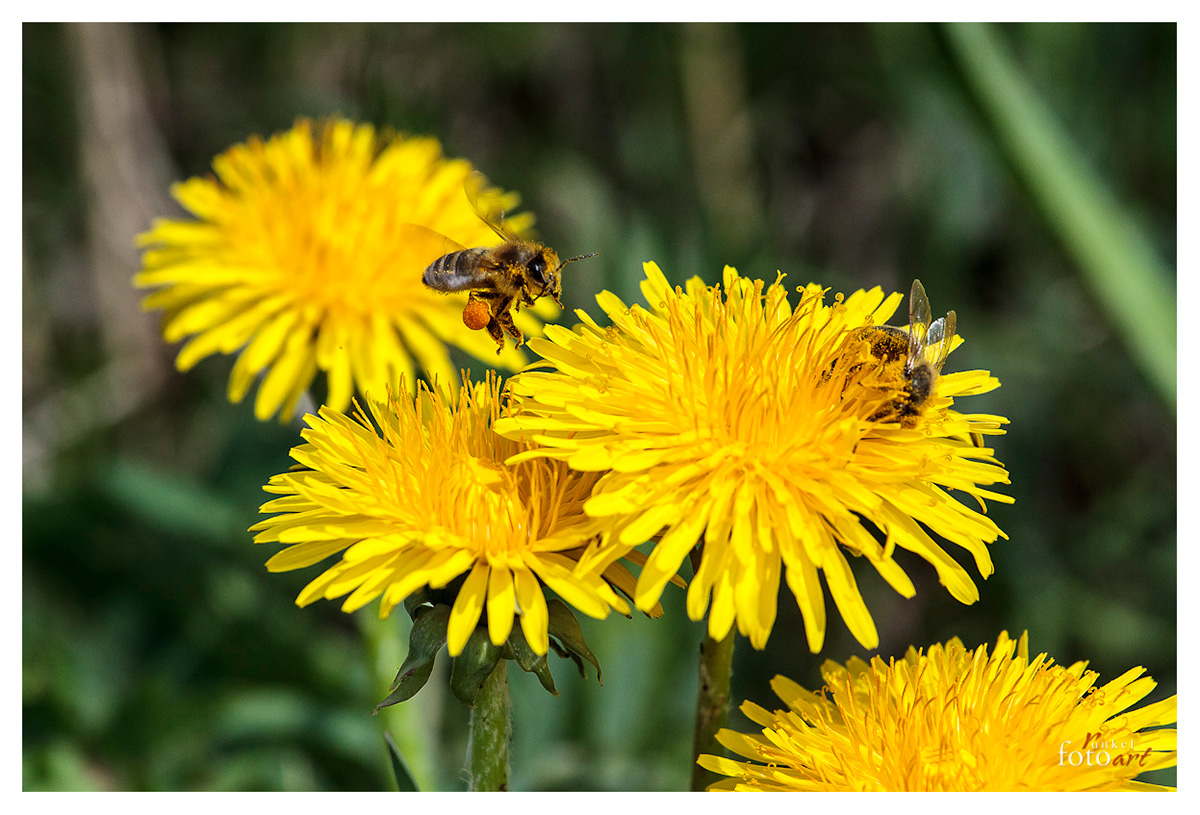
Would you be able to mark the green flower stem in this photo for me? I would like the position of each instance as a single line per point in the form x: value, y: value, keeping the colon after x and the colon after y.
x: 490, y: 729
x: 1116, y: 258
x: 712, y: 703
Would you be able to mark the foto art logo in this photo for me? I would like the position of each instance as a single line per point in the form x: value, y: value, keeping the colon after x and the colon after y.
x: 1095, y: 752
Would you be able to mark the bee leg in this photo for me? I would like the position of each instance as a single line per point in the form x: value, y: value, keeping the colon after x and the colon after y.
x: 503, y: 315
x: 494, y: 328
x: 497, y: 334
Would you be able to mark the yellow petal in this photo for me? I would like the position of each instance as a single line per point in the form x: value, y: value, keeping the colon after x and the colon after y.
x: 501, y: 604
x: 535, y: 617
x: 467, y: 608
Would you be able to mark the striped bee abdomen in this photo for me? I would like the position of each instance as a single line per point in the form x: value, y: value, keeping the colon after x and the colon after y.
x: 457, y: 271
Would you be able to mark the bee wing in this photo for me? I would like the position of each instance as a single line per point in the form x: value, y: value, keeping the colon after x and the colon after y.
x: 919, y: 315
x: 425, y: 244
x: 489, y: 203
x: 939, y: 340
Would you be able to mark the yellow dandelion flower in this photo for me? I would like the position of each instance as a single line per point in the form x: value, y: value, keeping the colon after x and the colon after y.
x: 953, y: 719
x: 296, y: 258
x: 734, y: 421
x: 418, y: 495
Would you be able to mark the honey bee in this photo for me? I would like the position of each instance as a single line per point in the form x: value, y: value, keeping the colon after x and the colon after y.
x: 914, y: 357
x: 499, y: 279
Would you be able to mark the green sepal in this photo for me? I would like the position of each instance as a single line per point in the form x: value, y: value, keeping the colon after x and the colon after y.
x: 473, y: 665
x: 565, y: 628
x: 529, y: 660
x: 418, y: 603
x: 427, y: 638
x: 404, y: 779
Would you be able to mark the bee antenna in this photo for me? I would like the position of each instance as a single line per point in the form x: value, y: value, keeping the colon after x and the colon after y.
x: 579, y: 257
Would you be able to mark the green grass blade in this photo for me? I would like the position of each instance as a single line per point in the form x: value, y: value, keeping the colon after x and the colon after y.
x: 1119, y: 265
x: 404, y: 779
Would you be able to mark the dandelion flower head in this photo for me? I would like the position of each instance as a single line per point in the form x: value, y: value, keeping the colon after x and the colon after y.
x: 298, y: 256
x: 730, y: 419
x: 417, y: 495
x: 952, y: 719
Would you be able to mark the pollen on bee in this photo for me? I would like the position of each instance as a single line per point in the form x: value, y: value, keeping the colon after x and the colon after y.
x: 476, y: 315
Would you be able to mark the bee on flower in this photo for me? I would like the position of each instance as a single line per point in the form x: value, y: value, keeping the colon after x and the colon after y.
x: 771, y: 441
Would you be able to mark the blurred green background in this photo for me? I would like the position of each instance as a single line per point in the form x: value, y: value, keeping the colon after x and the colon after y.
x: 1026, y: 173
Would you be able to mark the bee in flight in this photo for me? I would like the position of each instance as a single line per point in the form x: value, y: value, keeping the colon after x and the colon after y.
x: 499, y: 279
x: 914, y: 358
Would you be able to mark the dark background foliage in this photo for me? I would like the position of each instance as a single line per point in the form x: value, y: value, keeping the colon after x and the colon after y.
x: 157, y: 651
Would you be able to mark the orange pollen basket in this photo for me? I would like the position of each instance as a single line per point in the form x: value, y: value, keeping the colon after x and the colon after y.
x: 476, y: 315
